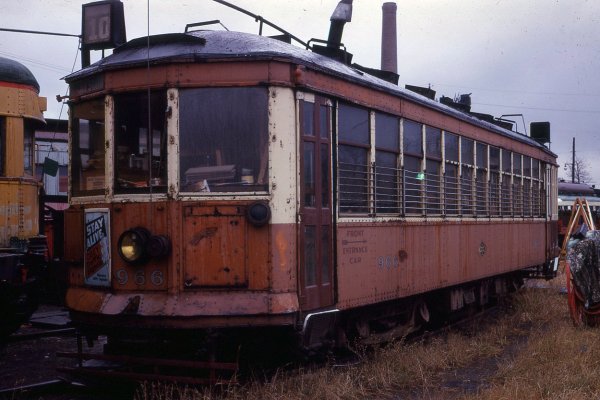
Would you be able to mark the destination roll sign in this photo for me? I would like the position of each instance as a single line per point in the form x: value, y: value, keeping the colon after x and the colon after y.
x: 103, y: 25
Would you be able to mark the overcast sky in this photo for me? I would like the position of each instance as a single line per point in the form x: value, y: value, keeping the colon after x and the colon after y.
x: 539, y: 58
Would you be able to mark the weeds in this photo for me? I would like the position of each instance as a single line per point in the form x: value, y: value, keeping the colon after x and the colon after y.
x: 531, y: 352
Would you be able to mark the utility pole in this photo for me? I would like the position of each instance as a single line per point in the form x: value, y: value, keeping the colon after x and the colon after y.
x: 573, y: 164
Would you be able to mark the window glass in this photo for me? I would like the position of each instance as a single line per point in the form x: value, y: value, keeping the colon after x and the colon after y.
x: 310, y: 255
x: 494, y: 159
x: 353, y: 124
x: 140, y: 151
x: 526, y: 166
x: 386, y: 182
x: 482, y: 155
x: 467, y: 193
x: 28, y: 143
x: 535, y: 169
x: 451, y: 189
x: 451, y: 147
x: 506, y: 161
x: 432, y: 186
x: 412, y: 137
x: 353, y: 179
x: 386, y: 163
x: 433, y: 138
x: 386, y: 132
x: 506, y: 200
x: 324, y: 121
x: 308, y: 110
x: 517, y: 164
x: 88, y: 147
x: 466, y: 151
x: 413, y: 185
x: 223, y: 135
x: 309, y: 174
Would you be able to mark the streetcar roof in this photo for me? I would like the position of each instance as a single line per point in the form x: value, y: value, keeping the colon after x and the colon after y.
x: 14, y: 72
x: 199, y: 46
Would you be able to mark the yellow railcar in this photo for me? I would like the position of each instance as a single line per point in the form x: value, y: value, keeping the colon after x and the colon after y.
x: 21, y: 111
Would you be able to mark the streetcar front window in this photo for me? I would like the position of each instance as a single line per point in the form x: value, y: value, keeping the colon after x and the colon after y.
x: 223, y: 136
x: 140, y: 142
x: 87, y: 168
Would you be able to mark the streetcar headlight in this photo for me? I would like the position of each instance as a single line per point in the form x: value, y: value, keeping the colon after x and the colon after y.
x: 258, y: 213
x: 158, y: 246
x: 132, y: 245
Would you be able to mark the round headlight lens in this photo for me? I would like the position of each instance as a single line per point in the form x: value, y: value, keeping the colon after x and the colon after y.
x: 132, y: 245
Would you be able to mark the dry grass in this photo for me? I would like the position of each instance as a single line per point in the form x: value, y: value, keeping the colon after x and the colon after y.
x: 532, y: 352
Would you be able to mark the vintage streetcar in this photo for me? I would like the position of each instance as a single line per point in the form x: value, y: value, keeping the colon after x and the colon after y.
x: 227, y: 186
x: 22, y: 248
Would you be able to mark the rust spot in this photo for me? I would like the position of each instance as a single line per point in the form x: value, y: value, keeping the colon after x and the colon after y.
x: 208, y: 232
x: 402, y: 255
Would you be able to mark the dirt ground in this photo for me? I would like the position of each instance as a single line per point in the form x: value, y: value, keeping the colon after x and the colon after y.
x: 27, y: 362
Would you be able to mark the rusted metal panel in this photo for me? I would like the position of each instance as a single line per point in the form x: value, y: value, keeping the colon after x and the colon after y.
x: 21, y: 101
x: 202, y: 304
x: 214, y: 246
x: 391, y: 260
x: 19, y: 215
x: 283, y: 253
x: 192, y: 75
x: 73, y: 242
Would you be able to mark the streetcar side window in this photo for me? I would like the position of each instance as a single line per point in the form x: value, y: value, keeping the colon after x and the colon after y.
x: 517, y: 188
x: 506, y: 200
x: 451, y: 177
x: 387, y: 152
x: 537, y: 189
x: 140, y: 150
x: 467, y: 161
x: 494, y: 184
x: 481, y: 151
x: 433, y: 167
x: 88, y: 150
x: 223, y: 139
x: 353, y: 158
x: 527, y: 186
x: 412, y: 168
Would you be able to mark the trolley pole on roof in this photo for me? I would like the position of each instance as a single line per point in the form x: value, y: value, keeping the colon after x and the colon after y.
x: 573, y: 164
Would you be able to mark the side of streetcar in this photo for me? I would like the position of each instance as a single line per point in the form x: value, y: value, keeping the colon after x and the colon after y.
x: 269, y: 190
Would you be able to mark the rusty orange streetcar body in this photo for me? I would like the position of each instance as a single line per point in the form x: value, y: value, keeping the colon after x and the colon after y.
x: 223, y: 181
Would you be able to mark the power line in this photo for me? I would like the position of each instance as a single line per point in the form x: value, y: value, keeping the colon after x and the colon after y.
x: 42, y: 64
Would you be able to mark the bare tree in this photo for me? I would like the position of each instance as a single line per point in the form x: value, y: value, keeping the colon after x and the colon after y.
x: 582, y: 173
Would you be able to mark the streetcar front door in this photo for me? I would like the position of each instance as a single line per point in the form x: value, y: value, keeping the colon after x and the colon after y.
x: 315, y: 234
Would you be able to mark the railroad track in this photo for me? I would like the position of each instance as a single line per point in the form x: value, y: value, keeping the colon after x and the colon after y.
x: 41, y: 334
x: 348, y: 359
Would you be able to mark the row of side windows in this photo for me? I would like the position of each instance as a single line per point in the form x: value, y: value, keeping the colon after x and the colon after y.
x: 395, y: 166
